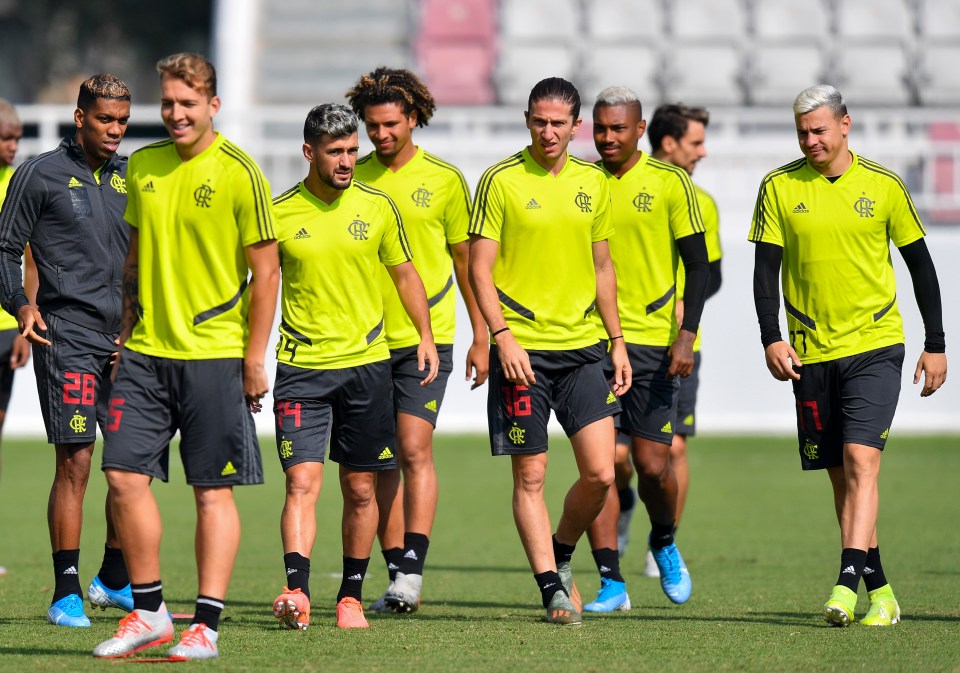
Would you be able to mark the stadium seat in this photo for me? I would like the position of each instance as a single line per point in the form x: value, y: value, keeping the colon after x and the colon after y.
x: 458, y: 74
x: 458, y: 19
x: 791, y: 20
x: 875, y: 20
x: 940, y: 19
x: 627, y: 20
x: 779, y: 72
x: 873, y: 74
x: 539, y: 19
x: 940, y: 78
x: 633, y: 67
x: 705, y: 75
x: 711, y: 20
x: 520, y: 67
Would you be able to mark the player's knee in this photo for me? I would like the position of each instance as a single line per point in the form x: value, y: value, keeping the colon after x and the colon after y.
x: 529, y: 480
x: 124, y: 485
x: 302, y: 483
x: 359, y: 490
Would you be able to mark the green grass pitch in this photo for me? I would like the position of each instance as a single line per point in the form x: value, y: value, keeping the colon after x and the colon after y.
x: 759, y: 537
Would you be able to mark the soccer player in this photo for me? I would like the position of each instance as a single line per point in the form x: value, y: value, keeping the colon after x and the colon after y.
x: 333, y: 370
x: 14, y: 348
x: 658, y: 223
x: 434, y: 202
x: 193, y: 339
x: 68, y: 205
x: 678, y: 136
x: 828, y: 219
x: 539, y: 263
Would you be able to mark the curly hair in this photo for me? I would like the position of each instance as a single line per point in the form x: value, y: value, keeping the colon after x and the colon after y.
x: 102, y: 87
x: 393, y: 85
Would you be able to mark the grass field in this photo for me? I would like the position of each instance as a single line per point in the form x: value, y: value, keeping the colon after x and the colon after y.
x: 759, y: 537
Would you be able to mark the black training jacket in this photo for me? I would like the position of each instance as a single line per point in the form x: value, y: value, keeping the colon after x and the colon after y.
x: 76, y: 232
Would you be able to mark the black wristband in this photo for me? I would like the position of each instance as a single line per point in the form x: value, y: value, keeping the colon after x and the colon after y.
x: 619, y: 336
x: 500, y: 331
x: 935, y: 342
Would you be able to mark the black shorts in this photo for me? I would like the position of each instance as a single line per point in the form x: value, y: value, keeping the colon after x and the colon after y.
x: 847, y: 401
x: 650, y: 406
x: 6, y: 373
x: 203, y: 399
x: 569, y: 382
x: 409, y: 397
x: 687, y: 401
x: 351, y: 409
x: 73, y: 380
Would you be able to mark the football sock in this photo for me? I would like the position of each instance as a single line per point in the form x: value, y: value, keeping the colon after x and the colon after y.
x: 393, y: 557
x: 549, y: 583
x: 207, y: 611
x: 873, y: 577
x: 562, y: 553
x: 354, y: 570
x: 66, y: 575
x: 113, y: 571
x: 415, y: 545
x: 661, y: 535
x: 608, y: 563
x: 851, y: 567
x: 147, y: 596
x: 627, y: 499
x: 298, y: 572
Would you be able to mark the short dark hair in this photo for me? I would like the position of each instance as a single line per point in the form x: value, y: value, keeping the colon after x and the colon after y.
x: 556, y: 88
x: 102, y: 87
x: 330, y: 119
x: 672, y: 120
x: 393, y: 85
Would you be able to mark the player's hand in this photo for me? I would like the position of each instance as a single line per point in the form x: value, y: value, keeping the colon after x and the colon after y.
x: 622, y: 372
x: 255, y: 383
x: 20, y: 353
x: 681, y: 354
x: 781, y: 361
x: 933, y: 366
x: 478, y: 360
x: 115, y: 356
x: 514, y: 360
x: 29, y: 319
x: 427, y: 359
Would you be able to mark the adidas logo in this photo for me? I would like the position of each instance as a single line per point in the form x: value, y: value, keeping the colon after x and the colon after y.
x: 688, y: 420
x: 547, y: 586
x: 532, y: 204
x: 411, y: 555
x: 290, y: 571
x: 147, y: 187
x: 867, y: 570
x: 667, y: 428
x: 72, y: 570
x: 357, y: 578
x: 848, y: 571
x: 301, y: 234
x: 800, y: 209
x: 228, y: 469
x: 431, y: 405
x: 393, y: 566
x: 74, y: 183
x: 604, y: 569
x: 611, y: 398
x: 885, y: 434
x: 386, y: 454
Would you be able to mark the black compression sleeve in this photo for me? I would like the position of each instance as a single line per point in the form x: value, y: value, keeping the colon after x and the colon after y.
x: 716, y: 279
x: 693, y: 252
x: 766, y: 293
x: 927, y: 290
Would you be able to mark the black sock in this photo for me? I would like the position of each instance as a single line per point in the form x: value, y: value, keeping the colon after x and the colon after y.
x: 298, y: 572
x: 851, y: 567
x: 66, y: 564
x: 608, y: 563
x: 415, y: 546
x: 207, y: 611
x: 354, y: 570
x: 148, y: 596
x: 549, y: 583
x: 627, y: 499
x: 393, y: 557
x: 562, y: 553
x: 113, y: 571
x: 873, y: 577
x: 661, y: 535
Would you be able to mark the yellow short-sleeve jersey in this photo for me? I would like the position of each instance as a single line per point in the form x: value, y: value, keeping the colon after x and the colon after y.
x: 711, y: 224
x: 7, y: 321
x: 838, y: 282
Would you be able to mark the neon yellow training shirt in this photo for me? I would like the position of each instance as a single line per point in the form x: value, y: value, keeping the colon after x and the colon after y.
x: 711, y: 223
x: 7, y: 321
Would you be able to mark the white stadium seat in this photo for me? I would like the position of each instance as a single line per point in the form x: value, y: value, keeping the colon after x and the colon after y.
x: 779, y: 72
x: 870, y: 74
x: 704, y: 75
x: 708, y: 20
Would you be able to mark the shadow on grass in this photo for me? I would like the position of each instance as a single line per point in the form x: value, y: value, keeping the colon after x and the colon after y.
x: 44, y: 651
